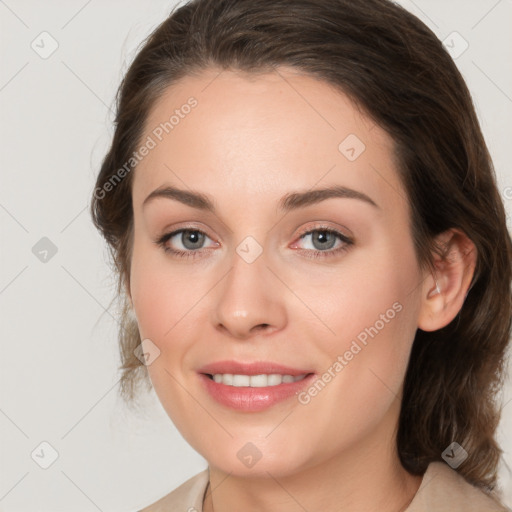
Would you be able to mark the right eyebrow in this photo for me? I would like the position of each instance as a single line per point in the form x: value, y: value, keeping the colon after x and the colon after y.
x: 189, y: 198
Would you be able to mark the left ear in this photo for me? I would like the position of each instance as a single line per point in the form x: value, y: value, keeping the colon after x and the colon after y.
x: 443, y: 294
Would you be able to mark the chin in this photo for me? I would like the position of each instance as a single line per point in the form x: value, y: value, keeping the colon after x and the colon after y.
x: 244, y: 458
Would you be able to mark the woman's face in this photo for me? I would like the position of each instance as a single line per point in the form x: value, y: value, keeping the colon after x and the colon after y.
x: 339, y: 305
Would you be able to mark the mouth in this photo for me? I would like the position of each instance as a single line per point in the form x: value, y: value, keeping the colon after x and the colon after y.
x: 262, y: 380
x: 252, y: 387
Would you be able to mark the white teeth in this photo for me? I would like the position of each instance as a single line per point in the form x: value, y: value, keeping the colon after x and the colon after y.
x: 255, y: 381
x: 241, y: 380
x: 274, y: 379
x: 258, y: 381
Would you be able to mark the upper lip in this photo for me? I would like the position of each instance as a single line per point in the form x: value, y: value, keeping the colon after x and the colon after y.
x: 255, y: 368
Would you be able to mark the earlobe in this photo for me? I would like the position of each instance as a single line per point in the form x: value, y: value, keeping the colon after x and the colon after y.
x: 443, y: 294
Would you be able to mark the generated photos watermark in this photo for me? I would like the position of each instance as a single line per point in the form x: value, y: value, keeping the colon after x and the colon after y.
x: 357, y: 345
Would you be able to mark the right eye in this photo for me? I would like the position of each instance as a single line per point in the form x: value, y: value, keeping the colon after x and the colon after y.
x: 190, y: 239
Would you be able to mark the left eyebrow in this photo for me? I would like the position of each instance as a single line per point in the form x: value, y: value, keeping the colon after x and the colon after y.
x: 291, y: 201
x: 296, y: 200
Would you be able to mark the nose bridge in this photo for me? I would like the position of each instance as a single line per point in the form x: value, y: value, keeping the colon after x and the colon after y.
x: 247, y: 302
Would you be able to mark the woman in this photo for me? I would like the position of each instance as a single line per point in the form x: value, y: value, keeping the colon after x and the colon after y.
x: 356, y: 376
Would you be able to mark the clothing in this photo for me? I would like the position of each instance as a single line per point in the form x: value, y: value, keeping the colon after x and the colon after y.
x: 442, y: 489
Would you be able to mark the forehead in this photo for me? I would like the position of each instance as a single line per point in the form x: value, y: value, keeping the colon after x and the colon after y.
x: 230, y: 133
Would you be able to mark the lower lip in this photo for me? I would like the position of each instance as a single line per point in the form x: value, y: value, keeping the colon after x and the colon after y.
x: 253, y: 399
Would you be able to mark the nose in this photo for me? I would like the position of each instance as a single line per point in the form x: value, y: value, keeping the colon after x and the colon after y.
x: 249, y: 301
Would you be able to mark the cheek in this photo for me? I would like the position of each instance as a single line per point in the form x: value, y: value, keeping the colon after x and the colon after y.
x: 372, y: 314
x: 161, y: 294
x: 368, y: 296
x: 152, y: 300
x: 378, y: 321
x: 162, y: 302
x: 369, y: 316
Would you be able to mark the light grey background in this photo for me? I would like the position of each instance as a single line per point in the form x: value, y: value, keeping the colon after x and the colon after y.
x: 58, y: 379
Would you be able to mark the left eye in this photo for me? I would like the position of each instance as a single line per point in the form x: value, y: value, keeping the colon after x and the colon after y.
x: 323, y: 241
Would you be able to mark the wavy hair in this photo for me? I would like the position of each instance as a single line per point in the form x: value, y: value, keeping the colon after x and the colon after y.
x: 394, y: 68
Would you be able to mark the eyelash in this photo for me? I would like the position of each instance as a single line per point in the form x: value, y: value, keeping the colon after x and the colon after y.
x: 347, y: 242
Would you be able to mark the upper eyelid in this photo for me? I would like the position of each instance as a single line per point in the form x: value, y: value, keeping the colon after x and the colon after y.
x: 324, y: 227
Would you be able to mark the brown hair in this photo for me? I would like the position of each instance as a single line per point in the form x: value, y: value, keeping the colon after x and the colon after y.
x: 396, y: 70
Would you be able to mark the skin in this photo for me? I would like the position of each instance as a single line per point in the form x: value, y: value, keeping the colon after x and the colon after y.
x: 250, y: 140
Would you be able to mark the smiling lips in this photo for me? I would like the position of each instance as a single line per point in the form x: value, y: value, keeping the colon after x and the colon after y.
x: 252, y: 387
